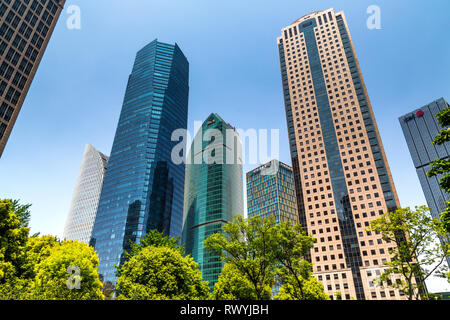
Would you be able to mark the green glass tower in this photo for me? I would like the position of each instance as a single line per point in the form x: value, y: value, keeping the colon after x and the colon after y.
x: 213, y: 191
x: 271, y: 192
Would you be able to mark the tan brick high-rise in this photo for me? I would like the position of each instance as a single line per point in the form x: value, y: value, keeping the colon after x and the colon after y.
x: 341, y: 173
x: 25, y: 29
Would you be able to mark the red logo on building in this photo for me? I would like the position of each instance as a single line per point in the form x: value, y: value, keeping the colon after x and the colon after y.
x: 419, y: 113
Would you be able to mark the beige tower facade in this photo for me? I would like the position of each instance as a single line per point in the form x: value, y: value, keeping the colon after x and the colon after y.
x: 341, y: 174
x: 25, y: 29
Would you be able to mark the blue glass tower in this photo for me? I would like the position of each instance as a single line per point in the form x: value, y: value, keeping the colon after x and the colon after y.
x: 143, y: 189
x: 213, y: 191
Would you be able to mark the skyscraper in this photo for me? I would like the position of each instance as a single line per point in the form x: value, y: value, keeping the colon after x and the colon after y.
x: 213, y: 191
x: 143, y: 189
x: 341, y: 174
x: 420, y: 127
x: 271, y: 192
x: 83, y: 208
x: 25, y: 30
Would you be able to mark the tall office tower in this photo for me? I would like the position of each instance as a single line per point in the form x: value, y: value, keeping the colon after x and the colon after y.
x: 213, y: 191
x: 420, y: 127
x: 25, y: 29
x: 341, y: 173
x: 271, y: 192
x: 83, y: 208
x: 143, y: 188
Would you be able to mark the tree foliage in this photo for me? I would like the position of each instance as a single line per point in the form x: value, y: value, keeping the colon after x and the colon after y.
x: 441, y: 167
x: 154, y: 238
x: 248, y: 245
x: 36, y: 267
x: 69, y: 272
x: 13, y: 238
x: 233, y: 285
x: 416, y: 253
x: 262, y: 250
x: 312, y: 289
x: 291, y: 250
x: 161, y: 273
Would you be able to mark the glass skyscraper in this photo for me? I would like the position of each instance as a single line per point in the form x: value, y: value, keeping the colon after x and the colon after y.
x: 420, y: 127
x: 83, y: 208
x: 143, y: 189
x: 213, y: 191
x: 271, y: 192
x: 341, y: 173
x: 25, y: 30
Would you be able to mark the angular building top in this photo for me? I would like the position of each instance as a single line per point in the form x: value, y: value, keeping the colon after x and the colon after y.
x: 143, y: 188
x: 83, y: 208
x: 25, y: 30
x: 420, y: 127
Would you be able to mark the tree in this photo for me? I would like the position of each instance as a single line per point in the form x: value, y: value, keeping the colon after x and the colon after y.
x: 108, y: 290
x: 232, y: 285
x: 161, y: 273
x: 154, y: 238
x: 291, y: 251
x: 37, y: 249
x: 22, y: 212
x: 442, y: 167
x: 69, y: 272
x: 312, y: 290
x: 416, y: 253
x: 249, y: 246
x: 13, y: 237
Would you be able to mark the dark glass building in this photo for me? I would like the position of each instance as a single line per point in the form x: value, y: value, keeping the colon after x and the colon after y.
x: 143, y: 189
x: 25, y: 30
x: 213, y: 191
x: 420, y: 127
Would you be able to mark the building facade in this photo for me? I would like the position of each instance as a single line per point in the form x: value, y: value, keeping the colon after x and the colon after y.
x: 143, y: 188
x: 341, y: 174
x: 420, y: 127
x: 83, y: 208
x: 25, y: 30
x: 213, y: 191
x: 271, y: 192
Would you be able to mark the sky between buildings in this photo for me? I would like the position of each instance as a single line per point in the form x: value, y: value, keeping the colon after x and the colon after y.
x: 77, y: 94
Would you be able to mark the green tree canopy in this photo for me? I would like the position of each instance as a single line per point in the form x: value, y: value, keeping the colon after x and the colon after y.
x: 441, y: 167
x: 291, y: 250
x: 36, y: 250
x: 249, y: 246
x: 161, y: 273
x: 416, y: 253
x: 69, y: 272
x: 233, y: 285
x: 13, y: 238
x: 154, y: 238
x: 262, y: 250
x: 312, y: 289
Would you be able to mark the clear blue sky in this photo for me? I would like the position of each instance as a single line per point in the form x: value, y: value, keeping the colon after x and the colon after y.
x: 78, y: 90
